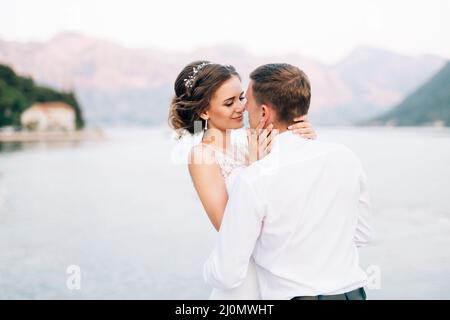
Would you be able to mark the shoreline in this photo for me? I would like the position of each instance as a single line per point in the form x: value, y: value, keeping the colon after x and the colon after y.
x: 50, y: 136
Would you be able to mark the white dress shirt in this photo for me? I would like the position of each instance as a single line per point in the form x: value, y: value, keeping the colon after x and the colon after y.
x: 301, y: 211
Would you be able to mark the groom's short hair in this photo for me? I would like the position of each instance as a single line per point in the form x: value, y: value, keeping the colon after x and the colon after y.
x: 283, y: 87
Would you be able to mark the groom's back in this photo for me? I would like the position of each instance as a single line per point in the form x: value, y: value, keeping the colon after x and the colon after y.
x: 311, y: 192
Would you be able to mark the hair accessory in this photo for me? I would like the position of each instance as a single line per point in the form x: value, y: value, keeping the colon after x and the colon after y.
x: 189, y: 81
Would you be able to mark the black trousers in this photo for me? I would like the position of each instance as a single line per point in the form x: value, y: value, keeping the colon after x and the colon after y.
x: 358, y: 294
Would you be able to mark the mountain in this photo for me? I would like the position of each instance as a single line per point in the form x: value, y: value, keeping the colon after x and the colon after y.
x: 428, y: 105
x: 116, y: 84
x: 17, y: 93
x: 380, y: 79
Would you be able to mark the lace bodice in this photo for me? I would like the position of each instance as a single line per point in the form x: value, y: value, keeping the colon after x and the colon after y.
x: 230, y: 162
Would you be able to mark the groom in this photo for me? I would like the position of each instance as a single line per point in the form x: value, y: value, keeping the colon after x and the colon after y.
x: 301, y: 211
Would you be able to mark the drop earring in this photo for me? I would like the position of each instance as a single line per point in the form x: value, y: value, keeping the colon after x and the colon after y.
x: 206, y: 124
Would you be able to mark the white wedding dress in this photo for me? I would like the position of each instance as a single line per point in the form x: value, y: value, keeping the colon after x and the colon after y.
x: 230, y: 165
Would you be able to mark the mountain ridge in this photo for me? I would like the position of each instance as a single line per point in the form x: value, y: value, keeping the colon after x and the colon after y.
x: 110, y: 78
x: 427, y: 105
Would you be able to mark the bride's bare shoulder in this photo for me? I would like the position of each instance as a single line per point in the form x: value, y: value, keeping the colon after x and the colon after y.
x: 201, y: 154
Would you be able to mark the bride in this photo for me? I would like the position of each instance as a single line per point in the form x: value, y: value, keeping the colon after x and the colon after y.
x: 209, y: 100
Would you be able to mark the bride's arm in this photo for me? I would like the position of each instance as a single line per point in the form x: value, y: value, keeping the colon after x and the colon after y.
x: 208, y: 183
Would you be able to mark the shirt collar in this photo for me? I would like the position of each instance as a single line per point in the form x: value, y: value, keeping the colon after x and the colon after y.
x: 287, y: 138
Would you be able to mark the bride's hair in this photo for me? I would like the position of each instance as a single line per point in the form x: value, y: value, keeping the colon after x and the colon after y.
x: 194, y: 88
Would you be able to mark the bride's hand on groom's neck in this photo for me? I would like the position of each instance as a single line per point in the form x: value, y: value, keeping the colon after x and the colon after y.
x: 303, y: 127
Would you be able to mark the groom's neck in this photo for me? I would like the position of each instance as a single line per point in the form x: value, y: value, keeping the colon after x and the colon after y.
x: 281, y: 127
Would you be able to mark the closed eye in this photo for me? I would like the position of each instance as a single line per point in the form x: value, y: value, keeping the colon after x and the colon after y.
x: 229, y: 103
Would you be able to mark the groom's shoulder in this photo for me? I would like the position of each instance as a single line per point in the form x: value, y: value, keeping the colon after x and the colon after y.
x: 253, y: 173
x: 332, y: 146
x: 335, y: 149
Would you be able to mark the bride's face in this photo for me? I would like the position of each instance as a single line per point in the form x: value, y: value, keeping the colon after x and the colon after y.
x: 227, y: 106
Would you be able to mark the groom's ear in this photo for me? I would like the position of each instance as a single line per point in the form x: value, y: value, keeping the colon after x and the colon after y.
x: 265, y: 112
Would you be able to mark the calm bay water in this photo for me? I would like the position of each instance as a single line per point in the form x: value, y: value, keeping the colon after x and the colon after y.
x: 124, y: 211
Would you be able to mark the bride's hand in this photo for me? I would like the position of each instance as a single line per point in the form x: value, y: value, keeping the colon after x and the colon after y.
x: 303, y: 127
x: 259, y: 141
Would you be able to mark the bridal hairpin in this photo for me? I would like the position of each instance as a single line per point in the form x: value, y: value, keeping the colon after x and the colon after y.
x: 189, y: 81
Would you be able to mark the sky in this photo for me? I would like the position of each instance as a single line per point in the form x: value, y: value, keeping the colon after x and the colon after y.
x: 323, y: 29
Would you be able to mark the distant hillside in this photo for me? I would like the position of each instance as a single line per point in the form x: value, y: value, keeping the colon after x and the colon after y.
x: 428, y: 105
x: 119, y: 85
x: 18, y: 93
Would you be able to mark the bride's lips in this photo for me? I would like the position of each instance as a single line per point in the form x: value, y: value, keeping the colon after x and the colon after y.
x: 238, y: 118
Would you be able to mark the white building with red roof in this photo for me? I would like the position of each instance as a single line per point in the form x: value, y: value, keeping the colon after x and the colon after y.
x: 49, y: 116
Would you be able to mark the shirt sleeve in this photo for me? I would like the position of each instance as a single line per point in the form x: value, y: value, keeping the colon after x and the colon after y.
x: 363, y: 228
x: 227, y: 265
